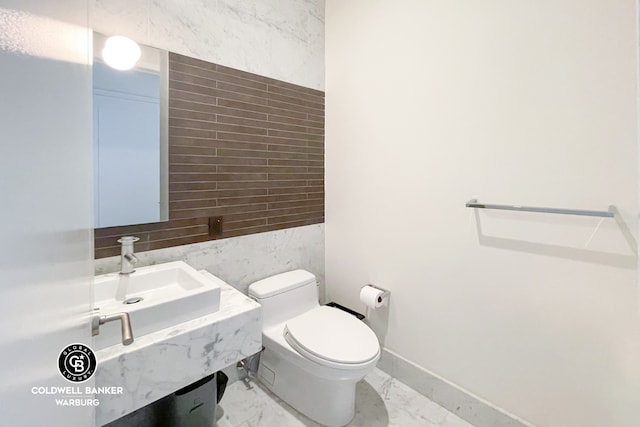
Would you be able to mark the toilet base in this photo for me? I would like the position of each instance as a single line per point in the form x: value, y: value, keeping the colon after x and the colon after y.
x: 328, y: 402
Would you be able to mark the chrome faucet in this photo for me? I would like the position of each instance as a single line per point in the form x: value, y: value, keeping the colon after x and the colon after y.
x: 127, y: 259
x: 125, y: 324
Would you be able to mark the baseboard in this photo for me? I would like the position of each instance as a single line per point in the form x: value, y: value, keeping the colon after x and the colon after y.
x: 464, y: 404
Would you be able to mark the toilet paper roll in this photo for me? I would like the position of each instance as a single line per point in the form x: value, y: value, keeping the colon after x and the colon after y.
x: 373, y: 297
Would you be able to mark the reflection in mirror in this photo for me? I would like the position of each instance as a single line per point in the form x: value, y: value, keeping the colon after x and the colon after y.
x: 130, y: 139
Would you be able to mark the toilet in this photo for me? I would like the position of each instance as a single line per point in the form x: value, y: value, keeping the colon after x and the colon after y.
x: 314, y: 355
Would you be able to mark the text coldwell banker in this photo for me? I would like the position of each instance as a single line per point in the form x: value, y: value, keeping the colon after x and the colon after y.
x: 69, y: 390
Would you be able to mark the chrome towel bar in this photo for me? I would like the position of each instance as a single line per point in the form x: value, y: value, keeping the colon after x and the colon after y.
x: 473, y: 203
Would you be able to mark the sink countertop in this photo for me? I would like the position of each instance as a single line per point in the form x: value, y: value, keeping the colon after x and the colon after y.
x: 160, y: 363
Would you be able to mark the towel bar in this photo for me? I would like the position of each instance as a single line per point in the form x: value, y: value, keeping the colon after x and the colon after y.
x: 473, y: 203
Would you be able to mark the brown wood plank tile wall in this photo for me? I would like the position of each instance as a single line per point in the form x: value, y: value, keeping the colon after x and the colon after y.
x: 242, y: 146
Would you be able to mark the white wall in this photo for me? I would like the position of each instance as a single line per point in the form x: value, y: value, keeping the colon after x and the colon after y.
x: 430, y: 103
x: 282, y: 39
x: 46, y: 217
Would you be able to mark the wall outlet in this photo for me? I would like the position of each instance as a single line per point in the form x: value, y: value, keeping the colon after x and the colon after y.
x: 215, y: 226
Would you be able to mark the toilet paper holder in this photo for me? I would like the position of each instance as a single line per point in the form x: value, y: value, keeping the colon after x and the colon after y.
x: 383, y: 296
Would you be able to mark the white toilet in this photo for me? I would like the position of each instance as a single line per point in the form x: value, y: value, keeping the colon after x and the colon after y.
x: 314, y: 355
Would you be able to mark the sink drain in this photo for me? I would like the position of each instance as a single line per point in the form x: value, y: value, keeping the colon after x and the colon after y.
x: 132, y: 300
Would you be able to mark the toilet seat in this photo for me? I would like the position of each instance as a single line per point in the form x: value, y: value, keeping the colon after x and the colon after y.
x: 331, y: 337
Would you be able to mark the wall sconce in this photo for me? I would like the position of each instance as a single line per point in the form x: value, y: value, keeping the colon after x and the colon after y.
x: 121, y: 52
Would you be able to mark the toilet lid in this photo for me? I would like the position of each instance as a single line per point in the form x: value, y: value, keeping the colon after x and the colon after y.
x: 333, y: 335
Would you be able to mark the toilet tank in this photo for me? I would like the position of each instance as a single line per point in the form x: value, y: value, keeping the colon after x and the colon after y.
x: 285, y: 295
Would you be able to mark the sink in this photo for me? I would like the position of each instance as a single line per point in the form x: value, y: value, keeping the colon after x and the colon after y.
x: 156, y: 297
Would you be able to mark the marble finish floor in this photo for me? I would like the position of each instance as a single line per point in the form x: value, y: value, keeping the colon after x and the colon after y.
x: 381, y: 401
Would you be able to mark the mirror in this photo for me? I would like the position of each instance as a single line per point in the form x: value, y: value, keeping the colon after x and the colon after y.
x: 130, y: 136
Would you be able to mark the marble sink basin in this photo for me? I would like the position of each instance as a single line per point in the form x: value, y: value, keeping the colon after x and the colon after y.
x: 156, y: 297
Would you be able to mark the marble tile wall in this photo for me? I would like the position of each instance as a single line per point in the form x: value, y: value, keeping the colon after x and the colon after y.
x: 281, y: 39
x: 240, y: 261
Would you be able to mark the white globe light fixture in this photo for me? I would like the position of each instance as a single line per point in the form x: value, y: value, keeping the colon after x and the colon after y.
x: 121, y: 52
